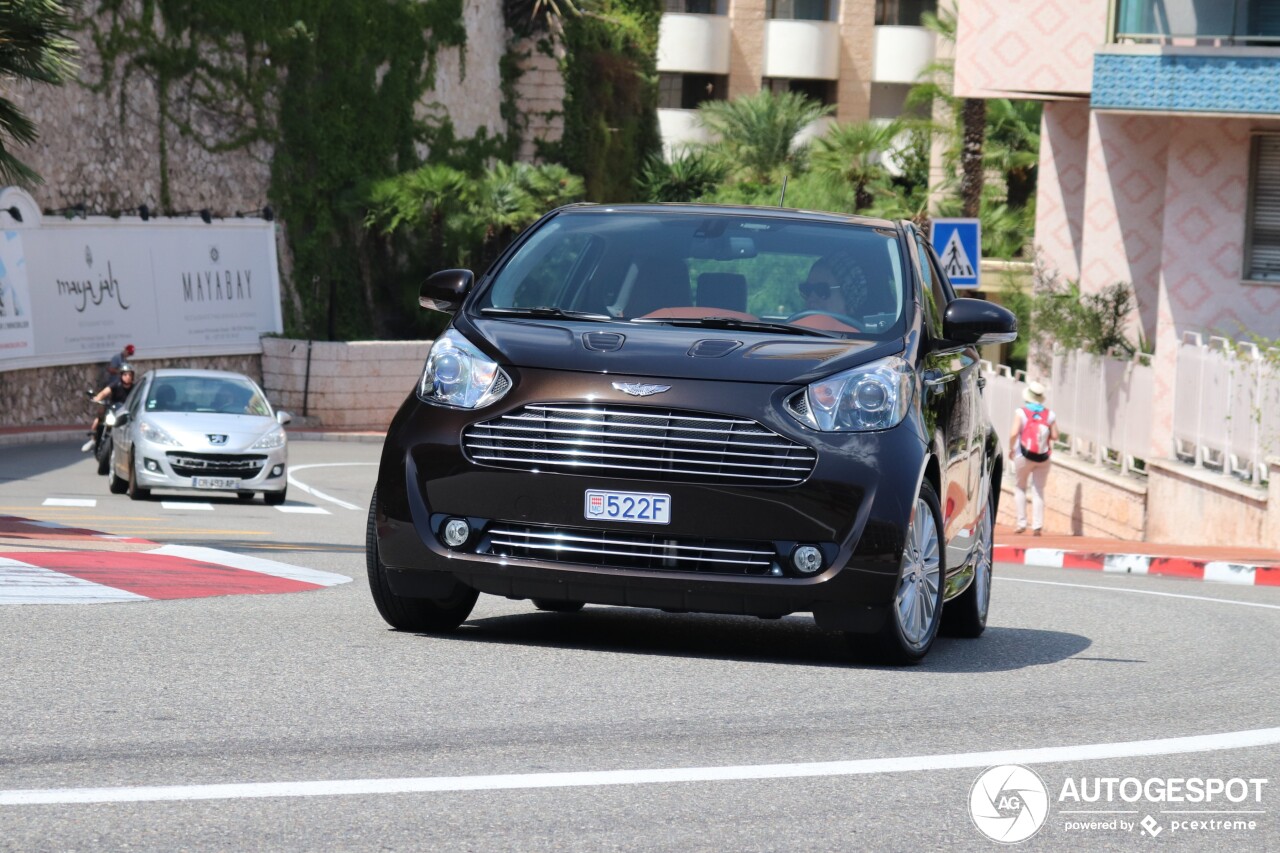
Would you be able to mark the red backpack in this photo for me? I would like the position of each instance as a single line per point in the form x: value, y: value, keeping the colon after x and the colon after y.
x: 1034, y: 438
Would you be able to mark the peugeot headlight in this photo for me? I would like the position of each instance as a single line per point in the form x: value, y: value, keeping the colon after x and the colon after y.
x: 271, y: 440
x: 873, y: 396
x: 154, y: 434
x: 458, y: 374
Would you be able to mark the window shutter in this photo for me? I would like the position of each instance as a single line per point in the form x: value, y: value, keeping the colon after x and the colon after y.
x: 1264, y: 208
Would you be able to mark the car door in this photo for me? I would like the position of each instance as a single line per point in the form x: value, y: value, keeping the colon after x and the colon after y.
x: 123, y: 434
x: 949, y: 385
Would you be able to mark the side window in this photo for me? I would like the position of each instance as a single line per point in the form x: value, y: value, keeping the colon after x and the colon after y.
x: 929, y: 289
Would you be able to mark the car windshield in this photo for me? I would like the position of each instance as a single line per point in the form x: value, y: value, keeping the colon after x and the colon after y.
x: 210, y: 394
x: 697, y: 270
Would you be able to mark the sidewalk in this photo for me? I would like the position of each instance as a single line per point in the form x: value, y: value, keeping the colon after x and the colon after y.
x: 1252, y: 565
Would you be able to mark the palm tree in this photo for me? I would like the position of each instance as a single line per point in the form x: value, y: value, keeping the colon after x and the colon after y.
x: 853, y: 153
x: 35, y: 49
x: 757, y: 133
x: 690, y: 176
x: 1013, y: 146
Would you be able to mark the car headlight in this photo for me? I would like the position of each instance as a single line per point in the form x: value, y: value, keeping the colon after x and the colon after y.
x: 458, y: 374
x: 154, y: 434
x: 273, y: 439
x: 873, y: 396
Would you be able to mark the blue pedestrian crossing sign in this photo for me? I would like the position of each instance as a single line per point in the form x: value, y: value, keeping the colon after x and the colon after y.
x: 958, y: 243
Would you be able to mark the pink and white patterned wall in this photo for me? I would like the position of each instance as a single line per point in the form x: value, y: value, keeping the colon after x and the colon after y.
x: 1039, y: 47
x: 1124, y: 201
x: 1064, y: 148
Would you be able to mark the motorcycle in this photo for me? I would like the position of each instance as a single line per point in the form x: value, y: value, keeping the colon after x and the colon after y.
x: 102, y: 441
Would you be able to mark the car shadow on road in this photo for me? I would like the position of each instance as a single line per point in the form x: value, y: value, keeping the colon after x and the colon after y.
x: 791, y: 641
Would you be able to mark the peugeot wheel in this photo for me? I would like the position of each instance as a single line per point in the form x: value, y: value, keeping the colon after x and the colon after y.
x: 135, y: 491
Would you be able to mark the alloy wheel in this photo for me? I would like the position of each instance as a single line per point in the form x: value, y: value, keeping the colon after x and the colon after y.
x: 916, y: 603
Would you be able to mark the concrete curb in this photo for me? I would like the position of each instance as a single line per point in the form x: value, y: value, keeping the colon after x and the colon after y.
x: 1213, y: 571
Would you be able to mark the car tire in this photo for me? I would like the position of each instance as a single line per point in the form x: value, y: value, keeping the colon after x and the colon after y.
x: 916, y: 610
x: 135, y: 491
x: 555, y: 605
x: 966, y: 614
x: 420, y: 615
x: 117, y: 484
x: 275, y: 498
x: 244, y: 496
x: 103, y: 454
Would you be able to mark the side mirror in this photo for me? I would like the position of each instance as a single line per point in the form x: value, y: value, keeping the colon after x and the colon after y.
x: 445, y: 290
x: 283, y: 418
x: 974, y: 321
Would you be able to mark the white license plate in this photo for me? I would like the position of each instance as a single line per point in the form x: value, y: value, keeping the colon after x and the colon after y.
x: 215, y: 482
x: 644, y: 507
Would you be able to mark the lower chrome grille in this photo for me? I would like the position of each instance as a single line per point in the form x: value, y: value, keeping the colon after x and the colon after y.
x: 243, y: 466
x: 616, y: 549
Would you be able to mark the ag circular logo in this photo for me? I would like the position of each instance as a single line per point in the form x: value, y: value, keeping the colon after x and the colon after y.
x: 1009, y: 803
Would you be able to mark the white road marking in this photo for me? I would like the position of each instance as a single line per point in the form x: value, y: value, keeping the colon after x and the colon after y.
x: 253, y: 564
x: 186, y: 505
x: 22, y: 583
x: 1145, y: 592
x: 70, y: 501
x: 293, y: 481
x: 859, y: 767
x: 304, y: 508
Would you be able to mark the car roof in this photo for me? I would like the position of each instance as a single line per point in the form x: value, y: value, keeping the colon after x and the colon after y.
x: 736, y: 210
x: 164, y: 372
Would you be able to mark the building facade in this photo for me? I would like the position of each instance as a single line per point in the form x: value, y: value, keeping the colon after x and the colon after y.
x: 1160, y: 157
x: 858, y: 56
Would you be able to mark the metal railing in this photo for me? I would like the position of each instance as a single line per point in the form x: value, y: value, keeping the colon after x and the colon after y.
x: 1226, y: 406
x: 1103, y: 405
x: 1222, y: 22
x: 1226, y: 414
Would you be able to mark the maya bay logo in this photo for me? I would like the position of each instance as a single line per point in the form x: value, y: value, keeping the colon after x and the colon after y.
x: 96, y: 289
x: 217, y: 285
x: 1009, y: 803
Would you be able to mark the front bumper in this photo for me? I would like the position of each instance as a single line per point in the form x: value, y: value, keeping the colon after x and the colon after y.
x: 854, y: 506
x: 167, y: 467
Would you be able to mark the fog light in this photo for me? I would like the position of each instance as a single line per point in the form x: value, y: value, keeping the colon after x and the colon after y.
x: 277, y: 471
x: 807, y: 560
x: 456, y: 532
x: 151, y: 465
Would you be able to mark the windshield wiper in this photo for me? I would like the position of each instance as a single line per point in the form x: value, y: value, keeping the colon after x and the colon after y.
x: 546, y: 311
x: 738, y: 324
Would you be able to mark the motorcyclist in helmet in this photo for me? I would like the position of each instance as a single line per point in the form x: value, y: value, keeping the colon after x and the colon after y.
x: 117, y: 391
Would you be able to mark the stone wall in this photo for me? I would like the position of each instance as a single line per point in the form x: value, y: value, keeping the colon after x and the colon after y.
x: 103, y: 148
x: 1198, y: 507
x: 347, y: 384
x: 1084, y: 500
x: 54, y: 396
x: 539, y: 93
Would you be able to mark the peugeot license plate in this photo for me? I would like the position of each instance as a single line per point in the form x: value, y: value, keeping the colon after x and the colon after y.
x: 215, y: 482
x: 644, y: 507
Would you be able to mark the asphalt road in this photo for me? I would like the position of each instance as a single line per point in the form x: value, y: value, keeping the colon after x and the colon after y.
x: 301, y: 722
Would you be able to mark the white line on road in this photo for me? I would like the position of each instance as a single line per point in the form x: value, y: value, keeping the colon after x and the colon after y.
x: 70, y: 501
x: 1146, y: 592
x: 304, y: 508
x: 294, y: 481
x: 862, y: 767
x: 186, y: 505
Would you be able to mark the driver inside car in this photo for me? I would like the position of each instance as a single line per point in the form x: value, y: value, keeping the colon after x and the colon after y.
x: 836, y: 284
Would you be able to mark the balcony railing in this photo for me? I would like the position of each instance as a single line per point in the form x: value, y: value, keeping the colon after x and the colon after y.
x: 693, y: 44
x: 1198, y: 22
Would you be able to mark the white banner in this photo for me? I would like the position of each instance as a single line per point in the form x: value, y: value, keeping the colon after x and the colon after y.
x: 76, y: 291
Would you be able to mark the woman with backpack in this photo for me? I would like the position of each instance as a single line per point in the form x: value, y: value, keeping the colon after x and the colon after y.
x: 1035, y: 429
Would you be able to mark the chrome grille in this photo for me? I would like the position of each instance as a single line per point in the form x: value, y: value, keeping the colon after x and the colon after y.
x: 243, y: 466
x: 615, y: 549
x: 636, y: 441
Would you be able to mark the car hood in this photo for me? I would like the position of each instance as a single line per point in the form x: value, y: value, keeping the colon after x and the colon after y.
x: 192, y: 430
x: 643, y: 349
